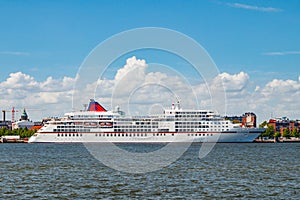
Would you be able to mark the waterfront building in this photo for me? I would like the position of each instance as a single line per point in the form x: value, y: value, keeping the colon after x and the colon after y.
x: 5, y: 124
x: 24, y: 122
x: 246, y: 120
x: 279, y: 124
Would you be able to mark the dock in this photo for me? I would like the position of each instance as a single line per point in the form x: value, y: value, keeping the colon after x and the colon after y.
x: 11, y: 139
x: 279, y: 140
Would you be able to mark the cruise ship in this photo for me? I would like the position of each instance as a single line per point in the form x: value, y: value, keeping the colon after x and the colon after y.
x: 96, y: 124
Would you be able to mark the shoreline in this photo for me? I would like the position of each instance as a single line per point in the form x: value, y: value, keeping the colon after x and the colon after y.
x: 279, y: 140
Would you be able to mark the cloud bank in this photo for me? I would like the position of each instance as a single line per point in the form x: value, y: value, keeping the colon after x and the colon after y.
x: 140, y: 91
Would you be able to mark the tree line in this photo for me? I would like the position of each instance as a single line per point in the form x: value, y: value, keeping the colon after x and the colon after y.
x: 22, y: 132
x: 271, y: 133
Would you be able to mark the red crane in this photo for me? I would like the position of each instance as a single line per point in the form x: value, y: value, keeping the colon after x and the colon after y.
x: 12, y: 114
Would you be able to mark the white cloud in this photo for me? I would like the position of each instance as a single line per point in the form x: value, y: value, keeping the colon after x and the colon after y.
x: 18, y: 80
x: 282, y: 53
x: 232, y: 83
x: 132, y: 64
x: 22, y: 90
x: 252, y: 7
x: 137, y: 91
x: 279, y: 98
x: 281, y: 88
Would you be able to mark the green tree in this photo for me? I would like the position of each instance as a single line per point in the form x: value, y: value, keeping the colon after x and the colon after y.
x: 262, y: 125
x: 277, y: 134
x: 295, y: 132
x: 286, y: 133
x: 22, y: 132
x: 269, y: 132
x: 2, y: 131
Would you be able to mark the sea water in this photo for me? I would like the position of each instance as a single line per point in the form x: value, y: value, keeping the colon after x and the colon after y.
x: 68, y: 171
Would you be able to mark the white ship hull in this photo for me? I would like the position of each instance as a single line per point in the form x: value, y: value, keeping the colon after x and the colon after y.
x: 230, y: 137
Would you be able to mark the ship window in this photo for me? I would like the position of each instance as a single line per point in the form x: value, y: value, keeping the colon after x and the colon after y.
x: 107, y: 134
x: 58, y: 135
x: 69, y: 134
x: 80, y: 134
x: 77, y: 135
x: 96, y: 134
x: 172, y: 134
x: 66, y: 135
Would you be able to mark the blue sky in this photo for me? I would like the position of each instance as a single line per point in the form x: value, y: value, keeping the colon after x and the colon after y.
x: 52, y: 38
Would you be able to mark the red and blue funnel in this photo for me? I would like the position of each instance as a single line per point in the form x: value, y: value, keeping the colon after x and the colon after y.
x: 95, y: 106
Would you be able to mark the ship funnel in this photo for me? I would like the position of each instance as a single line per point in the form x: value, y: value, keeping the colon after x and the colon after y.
x: 95, y: 106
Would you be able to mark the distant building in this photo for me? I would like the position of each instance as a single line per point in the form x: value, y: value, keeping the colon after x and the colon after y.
x: 279, y: 124
x: 24, y: 122
x: 249, y: 120
x: 5, y: 124
x: 246, y: 120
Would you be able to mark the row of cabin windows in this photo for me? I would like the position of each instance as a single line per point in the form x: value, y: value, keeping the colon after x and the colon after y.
x: 91, y: 116
x: 66, y: 127
x: 191, y: 116
x: 192, y: 130
x: 133, y: 130
x: 132, y: 126
x: 71, y: 130
x: 191, y: 126
x: 70, y: 135
x: 199, y: 134
x: 129, y: 123
x: 130, y: 135
x: 193, y: 112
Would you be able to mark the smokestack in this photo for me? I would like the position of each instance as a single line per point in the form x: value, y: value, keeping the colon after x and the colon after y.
x: 4, y: 116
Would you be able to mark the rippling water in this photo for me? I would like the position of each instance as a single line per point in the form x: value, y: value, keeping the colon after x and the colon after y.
x: 68, y: 171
